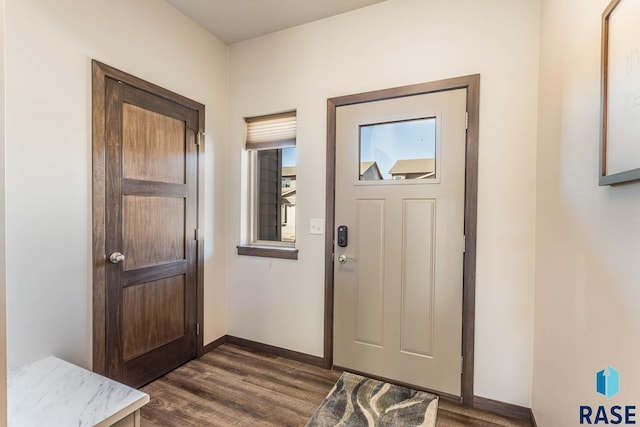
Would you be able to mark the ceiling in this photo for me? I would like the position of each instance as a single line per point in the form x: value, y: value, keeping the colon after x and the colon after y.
x: 237, y: 20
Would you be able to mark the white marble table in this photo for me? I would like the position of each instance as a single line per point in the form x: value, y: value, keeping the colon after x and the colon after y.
x: 52, y: 392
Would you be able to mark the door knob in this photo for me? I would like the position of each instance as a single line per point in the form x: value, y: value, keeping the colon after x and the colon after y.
x: 116, y: 257
x: 342, y: 259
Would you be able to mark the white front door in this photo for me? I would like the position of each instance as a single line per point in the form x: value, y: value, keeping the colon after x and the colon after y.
x: 400, y: 186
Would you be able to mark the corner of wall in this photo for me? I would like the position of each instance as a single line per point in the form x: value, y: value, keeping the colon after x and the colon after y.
x: 216, y: 201
x: 3, y: 302
x: 586, y: 294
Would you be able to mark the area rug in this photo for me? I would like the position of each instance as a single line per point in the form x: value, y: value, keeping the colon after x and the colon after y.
x: 359, y: 401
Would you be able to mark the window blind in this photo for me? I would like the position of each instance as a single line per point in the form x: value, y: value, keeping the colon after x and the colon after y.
x: 272, y: 131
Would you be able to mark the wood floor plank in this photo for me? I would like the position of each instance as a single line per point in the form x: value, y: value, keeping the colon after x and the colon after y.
x: 274, y: 377
x: 454, y: 412
x: 300, y: 366
x: 232, y: 401
x: 226, y: 390
x: 171, y: 406
x: 236, y: 386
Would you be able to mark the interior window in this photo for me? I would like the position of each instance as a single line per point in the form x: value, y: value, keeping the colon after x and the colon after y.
x: 272, y: 142
x: 276, y: 195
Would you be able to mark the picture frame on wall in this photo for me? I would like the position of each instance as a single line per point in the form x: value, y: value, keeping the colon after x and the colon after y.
x: 620, y: 93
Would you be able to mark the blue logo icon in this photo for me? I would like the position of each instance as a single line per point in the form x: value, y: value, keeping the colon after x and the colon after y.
x: 608, y: 383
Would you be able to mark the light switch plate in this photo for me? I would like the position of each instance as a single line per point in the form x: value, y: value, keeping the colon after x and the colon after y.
x: 316, y: 226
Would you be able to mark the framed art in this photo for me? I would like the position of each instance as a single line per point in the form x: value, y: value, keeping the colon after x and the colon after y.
x: 620, y: 100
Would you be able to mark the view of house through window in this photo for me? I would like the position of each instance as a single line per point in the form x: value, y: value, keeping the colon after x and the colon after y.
x: 272, y: 141
x: 276, y: 195
x: 398, y: 150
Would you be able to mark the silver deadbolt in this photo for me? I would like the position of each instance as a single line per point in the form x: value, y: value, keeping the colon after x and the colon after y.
x: 116, y: 257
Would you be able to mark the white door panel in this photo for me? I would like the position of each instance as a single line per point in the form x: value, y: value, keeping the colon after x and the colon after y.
x: 398, y: 296
x: 369, y: 298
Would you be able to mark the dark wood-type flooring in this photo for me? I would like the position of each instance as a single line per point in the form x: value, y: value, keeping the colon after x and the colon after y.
x: 236, y: 386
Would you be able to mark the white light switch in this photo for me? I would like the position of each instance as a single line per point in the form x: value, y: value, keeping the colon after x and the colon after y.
x: 316, y: 226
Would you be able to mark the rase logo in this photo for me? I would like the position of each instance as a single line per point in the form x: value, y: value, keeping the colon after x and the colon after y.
x: 608, y: 384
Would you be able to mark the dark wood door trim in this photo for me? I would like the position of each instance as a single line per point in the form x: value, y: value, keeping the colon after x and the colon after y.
x: 102, y: 74
x: 472, y: 84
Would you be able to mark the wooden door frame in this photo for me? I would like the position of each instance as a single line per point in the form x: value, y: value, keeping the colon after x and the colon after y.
x: 472, y: 84
x: 101, y: 72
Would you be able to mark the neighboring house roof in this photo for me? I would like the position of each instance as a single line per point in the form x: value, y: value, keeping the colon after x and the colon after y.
x: 289, y: 171
x: 365, y: 166
x: 424, y: 166
x: 289, y: 197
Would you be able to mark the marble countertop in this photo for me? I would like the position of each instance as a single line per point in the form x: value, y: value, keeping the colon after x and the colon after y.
x: 52, y: 392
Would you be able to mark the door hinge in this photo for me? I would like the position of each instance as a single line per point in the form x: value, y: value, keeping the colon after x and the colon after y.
x: 464, y: 243
x: 466, y: 120
x: 196, y: 234
x: 200, y: 136
x: 197, y: 329
x: 461, y: 364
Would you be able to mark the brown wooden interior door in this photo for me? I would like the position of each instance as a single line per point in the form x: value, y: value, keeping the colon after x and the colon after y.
x: 151, y: 218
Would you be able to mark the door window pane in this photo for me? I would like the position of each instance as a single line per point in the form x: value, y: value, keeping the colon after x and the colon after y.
x: 398, y: 150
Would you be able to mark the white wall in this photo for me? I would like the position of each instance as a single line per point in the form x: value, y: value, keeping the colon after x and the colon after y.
x: 48, y: 155
x: 397, y: 42
x: 587, y: 313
